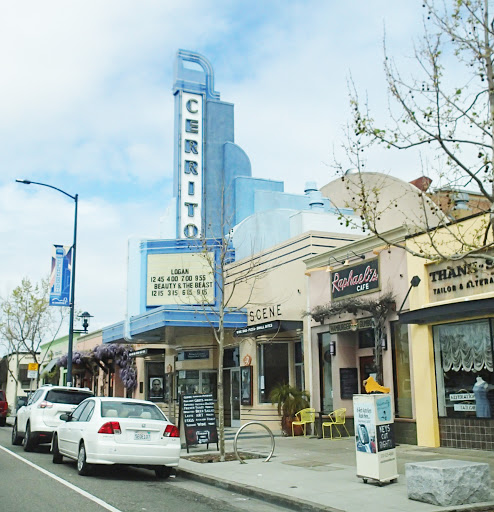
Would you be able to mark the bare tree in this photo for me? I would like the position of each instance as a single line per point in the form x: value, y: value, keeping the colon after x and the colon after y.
x: 219, y: 255
x: 26, y: 321
x: 443, y: 103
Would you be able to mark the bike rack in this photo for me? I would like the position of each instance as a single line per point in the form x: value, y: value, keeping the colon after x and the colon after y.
x: 242, y: 461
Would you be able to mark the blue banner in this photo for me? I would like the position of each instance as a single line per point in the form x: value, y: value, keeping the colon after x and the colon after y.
x: 61, y: 267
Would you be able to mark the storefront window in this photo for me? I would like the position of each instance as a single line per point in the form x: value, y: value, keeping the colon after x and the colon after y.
x: 190, y: 382
x: 401, y: 361
x: 464, y: 369
x: 156, y: 389
x: 273, y: 368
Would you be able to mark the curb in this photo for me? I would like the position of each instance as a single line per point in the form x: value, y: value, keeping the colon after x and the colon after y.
x: 289, y: 502
x: 255, y: 492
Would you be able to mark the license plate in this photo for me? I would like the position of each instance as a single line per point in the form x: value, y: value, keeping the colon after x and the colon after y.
x: 142, y: 436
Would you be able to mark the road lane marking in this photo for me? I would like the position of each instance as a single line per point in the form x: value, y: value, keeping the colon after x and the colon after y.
x: 82, y: 492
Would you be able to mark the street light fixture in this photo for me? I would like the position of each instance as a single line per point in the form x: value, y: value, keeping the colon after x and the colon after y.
x: 85, y: 322
x: 72, y: 283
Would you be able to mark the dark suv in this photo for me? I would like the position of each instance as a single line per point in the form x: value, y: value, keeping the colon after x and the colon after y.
x: 4, y: 408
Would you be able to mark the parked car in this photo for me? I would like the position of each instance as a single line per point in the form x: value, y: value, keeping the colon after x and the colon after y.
x: 106, y: 430
x: 36, y: 421
x: 4, y: 408
x: 21, y: 401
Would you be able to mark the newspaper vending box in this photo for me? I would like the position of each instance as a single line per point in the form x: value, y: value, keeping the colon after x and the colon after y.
x: 374, y: 438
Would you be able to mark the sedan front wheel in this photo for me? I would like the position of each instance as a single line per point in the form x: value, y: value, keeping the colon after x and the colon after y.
x: 16, y: 438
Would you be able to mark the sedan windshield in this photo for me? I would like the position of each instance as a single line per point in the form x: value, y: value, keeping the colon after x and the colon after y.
x: 131, y: 410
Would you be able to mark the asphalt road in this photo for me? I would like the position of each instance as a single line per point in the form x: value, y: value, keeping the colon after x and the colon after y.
x: 30, y: 482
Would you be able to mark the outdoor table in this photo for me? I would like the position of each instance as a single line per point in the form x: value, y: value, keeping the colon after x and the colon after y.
x: 318, y: 422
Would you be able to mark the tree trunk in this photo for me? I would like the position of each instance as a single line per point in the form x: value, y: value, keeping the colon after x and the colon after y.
x: 221, y: 405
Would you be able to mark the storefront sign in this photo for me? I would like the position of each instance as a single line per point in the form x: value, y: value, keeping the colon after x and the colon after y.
x: 453, y: 279
x: 179, y: 279
x: 264, y: 313
x: 464, y: 407
x: 455, y: 397
x: 144, y: 352
x: 256, y: 329
x: 188, y: 355
x: 356, y: 280
x: 191, y: 165
x: 362, y: 323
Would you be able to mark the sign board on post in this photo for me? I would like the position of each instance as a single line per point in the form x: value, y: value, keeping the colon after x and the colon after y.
x: 199, y: 420
x: 374, y: 437
x: 60, y: 275
x: 32, y: 371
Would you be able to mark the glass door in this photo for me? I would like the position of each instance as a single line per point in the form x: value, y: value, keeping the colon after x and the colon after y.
x: 326, y: 375
x: 235, y: 396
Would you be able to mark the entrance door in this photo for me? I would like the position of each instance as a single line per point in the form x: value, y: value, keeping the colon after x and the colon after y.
x: 235, y: 396
x: 367, y: 368
x: 326, y: 375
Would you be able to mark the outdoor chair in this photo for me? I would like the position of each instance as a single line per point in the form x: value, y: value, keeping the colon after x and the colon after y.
x: 304, y: 416
x: 337, y: 417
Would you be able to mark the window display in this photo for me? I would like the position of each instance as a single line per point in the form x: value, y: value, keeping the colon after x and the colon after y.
x: 190, y: 382
x: 273, y: 367
x: 464, y: 369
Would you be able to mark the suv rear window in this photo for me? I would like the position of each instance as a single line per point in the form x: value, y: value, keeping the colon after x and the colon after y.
x: 61, y: 396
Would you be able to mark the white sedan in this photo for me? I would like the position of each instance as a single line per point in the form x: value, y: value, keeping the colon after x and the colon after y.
x: 107, y: 430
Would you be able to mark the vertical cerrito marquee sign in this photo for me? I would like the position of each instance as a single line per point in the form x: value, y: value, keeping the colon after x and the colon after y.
x: 191, y: 165
x: 60, y: 275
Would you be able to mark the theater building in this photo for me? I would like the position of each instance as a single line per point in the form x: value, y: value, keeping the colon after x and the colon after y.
x: 220, y: 217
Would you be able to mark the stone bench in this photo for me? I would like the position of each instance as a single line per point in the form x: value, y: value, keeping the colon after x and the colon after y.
x: 448, y: 482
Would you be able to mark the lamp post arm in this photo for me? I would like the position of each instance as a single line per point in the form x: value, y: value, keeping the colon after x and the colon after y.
x: 28, y: 182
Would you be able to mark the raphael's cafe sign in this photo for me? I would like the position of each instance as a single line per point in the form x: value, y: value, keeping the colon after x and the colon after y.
x: 453, y: 279
x: 355, y: 280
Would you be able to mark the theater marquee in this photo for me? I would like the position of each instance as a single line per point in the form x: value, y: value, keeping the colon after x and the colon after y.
x: 177, y: 279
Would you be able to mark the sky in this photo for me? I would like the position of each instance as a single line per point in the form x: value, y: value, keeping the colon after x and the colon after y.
x: 86, y: 105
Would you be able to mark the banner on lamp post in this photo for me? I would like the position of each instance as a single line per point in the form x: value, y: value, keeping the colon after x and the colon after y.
x: 60, y: 276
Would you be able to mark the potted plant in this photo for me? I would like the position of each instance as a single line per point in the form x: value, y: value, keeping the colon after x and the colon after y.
x: 289, y: 400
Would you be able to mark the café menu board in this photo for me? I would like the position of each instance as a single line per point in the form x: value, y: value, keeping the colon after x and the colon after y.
x: 179, y: 279
x: 199, y: 419
x: 348, y: 383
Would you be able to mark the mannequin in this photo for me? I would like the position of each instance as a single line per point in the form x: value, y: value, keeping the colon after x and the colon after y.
x: 482, y: 405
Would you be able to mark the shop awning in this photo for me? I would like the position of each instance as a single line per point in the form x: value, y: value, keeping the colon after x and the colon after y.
x: 455, y: 311
x: 269, y: 328
x: 49, y: 367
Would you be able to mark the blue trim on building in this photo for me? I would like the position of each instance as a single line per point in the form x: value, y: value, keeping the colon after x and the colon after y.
x: 162, y: 317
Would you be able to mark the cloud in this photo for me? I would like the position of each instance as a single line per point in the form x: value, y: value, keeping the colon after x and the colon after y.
x: 87, y: 106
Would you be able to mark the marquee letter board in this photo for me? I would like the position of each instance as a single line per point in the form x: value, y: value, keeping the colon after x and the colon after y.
x: 199, y: 419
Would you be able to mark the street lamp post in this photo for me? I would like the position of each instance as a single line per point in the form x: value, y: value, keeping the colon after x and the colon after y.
x: 72, y: 283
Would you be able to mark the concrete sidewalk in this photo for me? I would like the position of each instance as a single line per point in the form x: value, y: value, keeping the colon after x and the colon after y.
x: 320, y: 474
